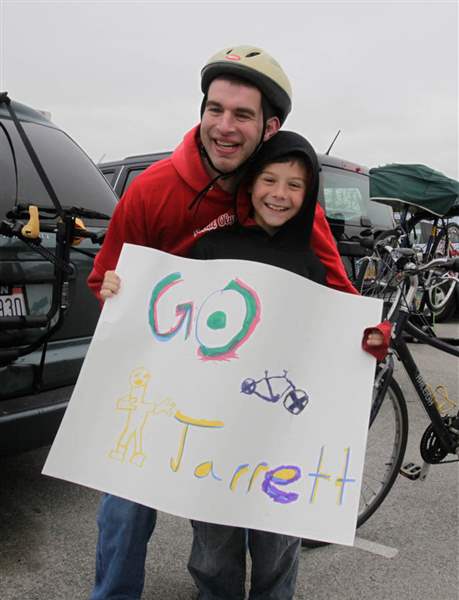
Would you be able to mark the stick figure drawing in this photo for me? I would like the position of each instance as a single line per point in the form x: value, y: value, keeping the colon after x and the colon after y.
x: 138, y: 412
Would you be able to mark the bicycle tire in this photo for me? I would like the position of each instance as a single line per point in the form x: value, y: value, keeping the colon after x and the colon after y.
x: 441, y: 299
x: 382, y: 462
x: 376, y: 276
x: 448, y: 308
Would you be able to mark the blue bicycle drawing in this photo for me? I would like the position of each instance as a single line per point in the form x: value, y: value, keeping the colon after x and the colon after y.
x: 294, y: 399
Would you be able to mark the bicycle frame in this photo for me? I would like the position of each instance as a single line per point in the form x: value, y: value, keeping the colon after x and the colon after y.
x: 399, y: 314
x: 426, y: 397
x: 272, y: 396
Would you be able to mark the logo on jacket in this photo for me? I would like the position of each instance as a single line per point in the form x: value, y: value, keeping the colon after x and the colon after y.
x: 223, y: 220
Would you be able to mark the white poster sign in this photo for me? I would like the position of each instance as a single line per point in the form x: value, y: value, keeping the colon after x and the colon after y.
x: 224, y: 391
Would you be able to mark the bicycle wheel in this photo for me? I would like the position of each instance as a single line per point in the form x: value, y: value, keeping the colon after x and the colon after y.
x: 441, y: 299
x: 376, y: 275
x: 441, y: 292
x: 386, y: 444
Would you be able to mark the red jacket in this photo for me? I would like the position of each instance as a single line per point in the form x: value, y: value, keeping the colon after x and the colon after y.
x: 155, y: 212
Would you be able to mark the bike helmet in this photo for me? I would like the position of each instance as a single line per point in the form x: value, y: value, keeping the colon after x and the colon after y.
x: 257, y: 67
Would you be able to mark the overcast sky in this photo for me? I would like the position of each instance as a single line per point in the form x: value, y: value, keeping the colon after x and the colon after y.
x: 123, y: 77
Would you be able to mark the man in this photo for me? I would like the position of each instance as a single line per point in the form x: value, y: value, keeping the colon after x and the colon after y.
x: 247, y: 97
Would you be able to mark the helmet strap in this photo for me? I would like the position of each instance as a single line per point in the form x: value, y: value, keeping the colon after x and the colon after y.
x: 238, y: 170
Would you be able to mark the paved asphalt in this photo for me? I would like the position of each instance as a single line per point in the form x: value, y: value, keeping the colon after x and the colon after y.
x: 48, y: 534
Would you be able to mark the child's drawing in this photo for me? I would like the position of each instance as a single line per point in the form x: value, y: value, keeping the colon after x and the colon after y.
x: 273, y: 388
x: 138, y: 411
x: 224, y: 321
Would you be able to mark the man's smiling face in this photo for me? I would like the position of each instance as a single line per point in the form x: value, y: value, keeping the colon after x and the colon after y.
x: 232, y: 123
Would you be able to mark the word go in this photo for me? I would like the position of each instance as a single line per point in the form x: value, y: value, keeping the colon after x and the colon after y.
x: 222, y: 323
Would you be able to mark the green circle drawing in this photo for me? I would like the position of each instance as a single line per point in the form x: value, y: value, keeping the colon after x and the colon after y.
x: 217, y: 320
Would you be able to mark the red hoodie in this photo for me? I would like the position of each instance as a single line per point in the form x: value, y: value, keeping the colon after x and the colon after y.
x: 155, y: 212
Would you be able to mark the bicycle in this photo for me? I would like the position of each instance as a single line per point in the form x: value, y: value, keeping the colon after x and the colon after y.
x: 437, y: 292
x: 388, y: 425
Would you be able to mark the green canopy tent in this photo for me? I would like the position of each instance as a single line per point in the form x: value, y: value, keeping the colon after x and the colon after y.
x: 418, y: 186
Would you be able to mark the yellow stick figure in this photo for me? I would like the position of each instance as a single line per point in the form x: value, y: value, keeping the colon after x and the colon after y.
x: 138, y: 411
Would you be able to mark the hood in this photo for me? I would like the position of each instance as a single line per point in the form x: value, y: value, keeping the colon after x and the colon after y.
x: 297, y: 232
x: 187, y: 160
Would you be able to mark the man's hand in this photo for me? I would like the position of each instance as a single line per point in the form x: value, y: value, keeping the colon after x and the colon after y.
x: 110, y: 285
x: 376, y: 340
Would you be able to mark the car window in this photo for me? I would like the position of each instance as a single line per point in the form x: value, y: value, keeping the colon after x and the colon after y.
x: 76, y: 180
x: 346, y: 197
x: 132, y: 174
x: 344, y: 194
x: 109, y: 176
x: 7, y: 176
x: 381, y: 215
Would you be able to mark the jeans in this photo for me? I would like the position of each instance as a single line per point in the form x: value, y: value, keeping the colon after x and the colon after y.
x: 124, y: 531
x: 218, y: 557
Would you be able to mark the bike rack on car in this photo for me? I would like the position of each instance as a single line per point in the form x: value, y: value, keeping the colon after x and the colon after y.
x: 24, y: 222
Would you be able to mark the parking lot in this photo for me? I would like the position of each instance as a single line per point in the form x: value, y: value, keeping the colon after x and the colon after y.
x: 407, y: 550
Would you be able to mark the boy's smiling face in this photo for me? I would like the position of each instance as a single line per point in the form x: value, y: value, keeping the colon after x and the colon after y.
x: 278, y: 193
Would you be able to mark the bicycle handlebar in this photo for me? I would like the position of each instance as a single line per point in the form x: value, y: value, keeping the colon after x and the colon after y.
x: 452, y: 264
x: 442, y: 264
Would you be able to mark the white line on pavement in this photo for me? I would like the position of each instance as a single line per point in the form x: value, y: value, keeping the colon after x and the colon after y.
x: 375, y: 548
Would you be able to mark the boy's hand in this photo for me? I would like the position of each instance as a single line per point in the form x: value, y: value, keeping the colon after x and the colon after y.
x: 376, y: 340
x: 110, y: 285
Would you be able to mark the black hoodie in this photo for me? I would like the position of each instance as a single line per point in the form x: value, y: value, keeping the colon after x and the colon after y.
x: 289, y: 248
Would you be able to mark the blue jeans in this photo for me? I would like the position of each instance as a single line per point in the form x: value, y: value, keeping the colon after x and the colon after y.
x: 124, y: 531
x: 218, y: 557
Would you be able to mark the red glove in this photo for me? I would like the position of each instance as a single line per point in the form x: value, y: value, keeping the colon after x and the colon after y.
x: 379, y: 352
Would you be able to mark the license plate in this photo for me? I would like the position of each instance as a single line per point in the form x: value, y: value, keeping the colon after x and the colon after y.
x: 12, y: 302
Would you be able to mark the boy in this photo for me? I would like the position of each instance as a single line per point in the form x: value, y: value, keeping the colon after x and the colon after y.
x: 283, y: 189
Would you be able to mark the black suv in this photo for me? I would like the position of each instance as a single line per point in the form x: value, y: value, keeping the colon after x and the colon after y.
x: 54, y: 209
x: 344, y: 193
